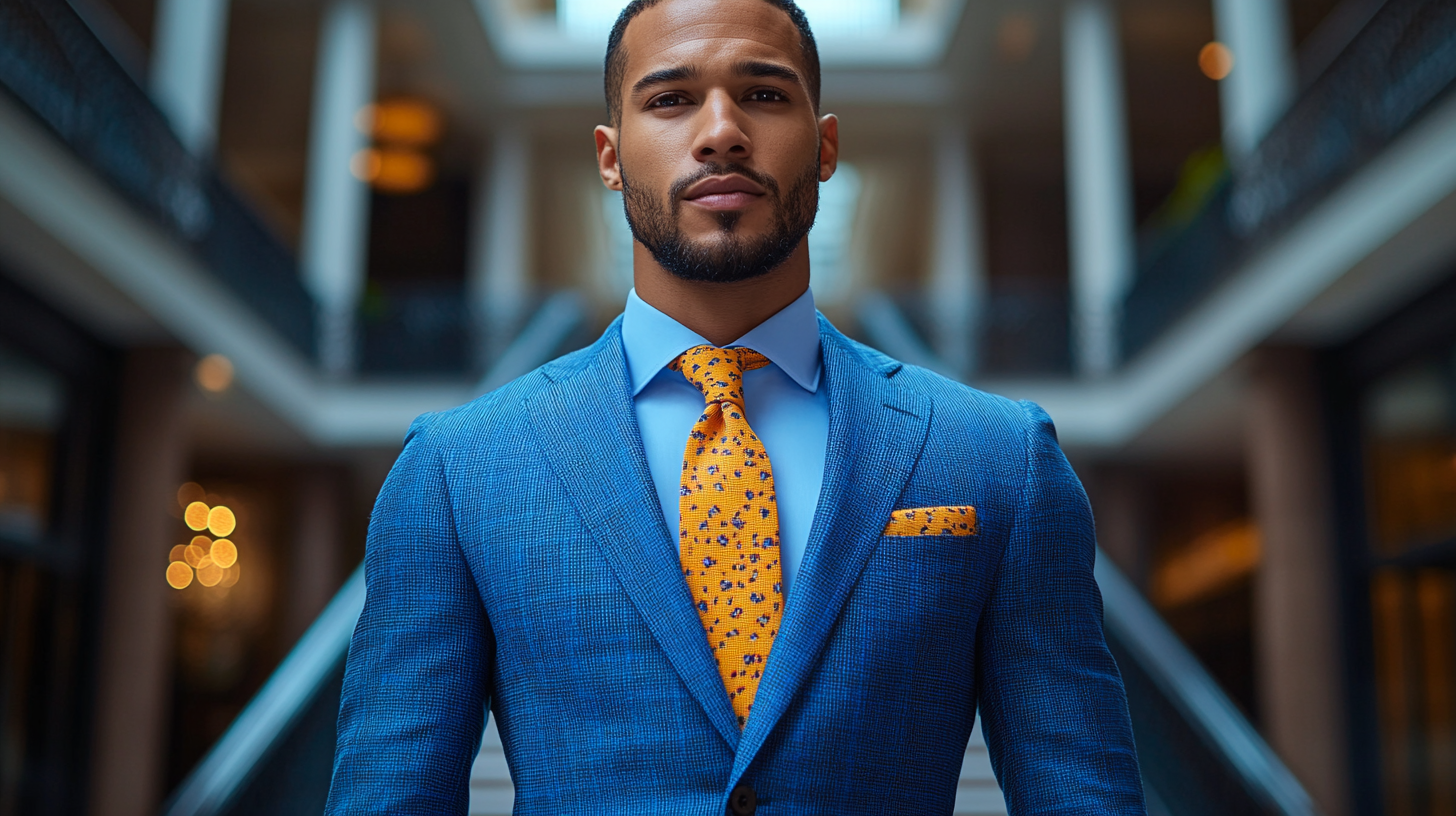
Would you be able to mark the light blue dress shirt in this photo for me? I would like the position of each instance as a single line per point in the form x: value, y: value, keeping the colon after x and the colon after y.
x: 783, y: 402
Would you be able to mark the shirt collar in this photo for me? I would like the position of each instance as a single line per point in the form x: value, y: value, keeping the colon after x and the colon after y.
x: 789, y: 339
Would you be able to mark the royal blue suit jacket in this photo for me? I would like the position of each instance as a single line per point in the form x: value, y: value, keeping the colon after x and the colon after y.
x: 518, y: 559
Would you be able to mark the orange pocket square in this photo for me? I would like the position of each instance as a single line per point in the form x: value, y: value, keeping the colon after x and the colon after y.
x: 932, y: 521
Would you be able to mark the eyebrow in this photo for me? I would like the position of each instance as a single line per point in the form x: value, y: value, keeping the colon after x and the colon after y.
x: 683, y: 73
x: 678, y: 73
x: 766, y: 70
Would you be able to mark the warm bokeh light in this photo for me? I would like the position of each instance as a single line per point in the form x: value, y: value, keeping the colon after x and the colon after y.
x: 221, y: 521
x: 231, y: 575
x: 1208, y: 565
x: 196, y: 515
x: 189, y: 493
x: 402, y: 122
x: 194, y: 554
x: 393, y: 170
x: 209, y: 574
x: 1215, y: 60
x: 179, y: 575
x: 224, y: 553
x: 214, y: 373
x: 178, y: 553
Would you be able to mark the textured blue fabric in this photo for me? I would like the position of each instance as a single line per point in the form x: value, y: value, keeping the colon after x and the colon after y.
x: 784, y: 404
x: 517, y: 557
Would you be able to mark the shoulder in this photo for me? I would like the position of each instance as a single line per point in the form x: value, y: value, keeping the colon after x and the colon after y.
x: 959, y: 409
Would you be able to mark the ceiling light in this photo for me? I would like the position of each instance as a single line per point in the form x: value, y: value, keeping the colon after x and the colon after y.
x: 1216, y: 60
x: 402, y: 122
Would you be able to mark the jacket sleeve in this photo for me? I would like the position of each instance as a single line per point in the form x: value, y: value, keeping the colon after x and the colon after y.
x: 416, y: 684
x: 1052, y: 704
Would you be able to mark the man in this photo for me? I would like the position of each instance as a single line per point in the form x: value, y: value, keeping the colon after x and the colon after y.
x: 726, y: 560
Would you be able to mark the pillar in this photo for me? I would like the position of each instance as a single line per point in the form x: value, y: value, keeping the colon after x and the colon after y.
x: 187, y: 67
x: 133, y: 702
x: 1262, y: 82
x: 1099, y: 183
x: 957, y: 288
x: 500, y: 278
x: 336, y: 206
x: 316, y: 567
x: 1296, y: 611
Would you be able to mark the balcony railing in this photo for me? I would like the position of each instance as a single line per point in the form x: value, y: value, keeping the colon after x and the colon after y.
x: 1402, y: 62
x: 54, y: 65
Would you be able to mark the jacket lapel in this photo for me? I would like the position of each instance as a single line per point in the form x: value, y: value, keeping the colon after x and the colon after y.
x: 589, y: 433
x: 876, y: 433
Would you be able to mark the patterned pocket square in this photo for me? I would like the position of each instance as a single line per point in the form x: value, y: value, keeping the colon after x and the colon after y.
x: 932, y: 521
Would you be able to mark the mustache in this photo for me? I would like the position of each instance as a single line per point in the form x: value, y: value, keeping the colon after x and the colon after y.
x: 721, y: 169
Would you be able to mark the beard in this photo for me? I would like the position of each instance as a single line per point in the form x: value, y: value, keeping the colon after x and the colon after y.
x: 726, y: 257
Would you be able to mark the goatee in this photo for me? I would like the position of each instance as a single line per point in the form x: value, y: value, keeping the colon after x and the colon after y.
x: 728, y: 257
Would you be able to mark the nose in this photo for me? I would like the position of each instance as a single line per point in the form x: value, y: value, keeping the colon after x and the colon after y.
x: 721, y: 133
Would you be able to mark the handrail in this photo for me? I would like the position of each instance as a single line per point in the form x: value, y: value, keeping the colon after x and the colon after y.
x: 265, y: 722
x: 1398, y: 67
x: 1183, y: 680
x: 55, y: 66
x: 261, y: 726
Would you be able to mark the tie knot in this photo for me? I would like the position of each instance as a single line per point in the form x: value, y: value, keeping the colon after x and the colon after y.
x: 718, y: 372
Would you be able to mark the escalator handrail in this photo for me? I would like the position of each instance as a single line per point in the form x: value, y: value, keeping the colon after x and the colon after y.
x: 1180, y: 676
x: 268, y: 716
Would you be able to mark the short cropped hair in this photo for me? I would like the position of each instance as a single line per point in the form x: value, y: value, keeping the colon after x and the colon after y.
x: 616, y: 61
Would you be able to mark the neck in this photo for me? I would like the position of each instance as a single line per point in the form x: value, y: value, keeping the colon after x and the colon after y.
x: 720, y: 312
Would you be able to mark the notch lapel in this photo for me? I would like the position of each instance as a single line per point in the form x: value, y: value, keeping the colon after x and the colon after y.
x: 876, y: 433
x: 589, y: 433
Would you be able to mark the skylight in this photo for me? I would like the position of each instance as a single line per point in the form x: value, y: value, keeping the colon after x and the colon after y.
x: 829, y: 18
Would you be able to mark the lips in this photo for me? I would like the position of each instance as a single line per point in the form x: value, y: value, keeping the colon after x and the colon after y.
x: 731, y: 192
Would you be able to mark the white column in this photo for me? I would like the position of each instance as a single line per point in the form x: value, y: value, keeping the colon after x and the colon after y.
x: 187, y: 63
x: 500, y: 277
x: 1259, y: 88
x: 1099, y: 183
x: 957, y: 288
x: 336, y: 209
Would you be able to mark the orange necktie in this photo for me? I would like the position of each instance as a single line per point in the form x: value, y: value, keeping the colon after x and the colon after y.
x: 729, y: 530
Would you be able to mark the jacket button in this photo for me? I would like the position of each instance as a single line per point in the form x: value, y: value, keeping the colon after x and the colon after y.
x: 742, y: 801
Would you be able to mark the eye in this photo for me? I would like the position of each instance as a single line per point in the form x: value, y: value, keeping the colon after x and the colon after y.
x: 667, y: 100
x: 767, y: 95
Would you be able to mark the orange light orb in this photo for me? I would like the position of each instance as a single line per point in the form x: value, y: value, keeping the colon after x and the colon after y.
x: 179, y: 575
x: 224, y: 553
x: 196, y: 515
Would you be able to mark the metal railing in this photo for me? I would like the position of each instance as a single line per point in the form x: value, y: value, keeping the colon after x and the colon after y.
x: 1199, y: 754
x: 1400, y: 63
x: 55, y: 66
x: 286, y: 734
x: 256, y: 735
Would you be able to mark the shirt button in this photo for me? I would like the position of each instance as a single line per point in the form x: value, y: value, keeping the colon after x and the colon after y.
x: 742, y: 801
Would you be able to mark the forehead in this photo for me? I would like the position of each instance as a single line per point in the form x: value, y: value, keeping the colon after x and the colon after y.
x: 709, y: 34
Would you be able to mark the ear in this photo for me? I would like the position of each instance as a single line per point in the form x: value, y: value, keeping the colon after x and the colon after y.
x: 828, y: 145
x: 609, y: 165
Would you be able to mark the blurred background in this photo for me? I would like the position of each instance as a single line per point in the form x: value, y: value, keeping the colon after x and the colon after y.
x: 244, y: 242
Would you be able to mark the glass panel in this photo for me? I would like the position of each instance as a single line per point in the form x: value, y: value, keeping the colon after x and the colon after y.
x: 31, y: 401
x: 1411, y: 447
x: 1415, y: 662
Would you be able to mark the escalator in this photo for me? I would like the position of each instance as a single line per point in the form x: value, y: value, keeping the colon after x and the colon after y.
x: 1199, y: 755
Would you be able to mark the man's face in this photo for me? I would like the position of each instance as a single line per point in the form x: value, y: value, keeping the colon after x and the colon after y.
x: 718, y: 153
